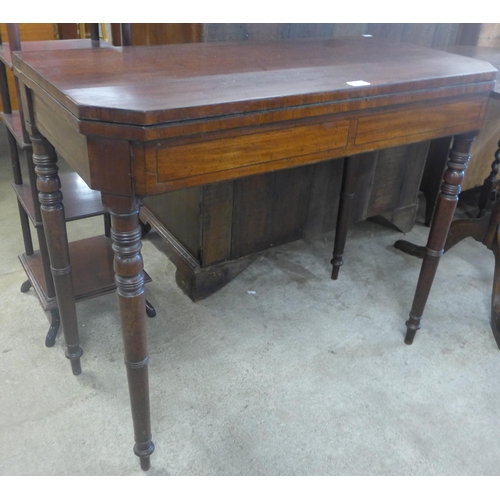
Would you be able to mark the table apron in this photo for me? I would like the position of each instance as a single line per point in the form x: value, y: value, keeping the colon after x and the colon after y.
x: 171, y: 164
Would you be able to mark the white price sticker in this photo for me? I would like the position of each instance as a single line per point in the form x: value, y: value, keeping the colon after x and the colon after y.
x: 358, y: 83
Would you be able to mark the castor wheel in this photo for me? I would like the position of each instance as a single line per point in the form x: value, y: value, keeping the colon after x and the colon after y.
x: 150, y: 310
x: 25, y: 286
x: 50, y: 338
x: 145, y: 228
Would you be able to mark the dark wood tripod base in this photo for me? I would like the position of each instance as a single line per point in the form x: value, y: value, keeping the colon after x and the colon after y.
x: 485, y: 230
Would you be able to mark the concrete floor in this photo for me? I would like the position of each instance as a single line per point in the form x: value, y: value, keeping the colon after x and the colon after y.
x: 306, y: 376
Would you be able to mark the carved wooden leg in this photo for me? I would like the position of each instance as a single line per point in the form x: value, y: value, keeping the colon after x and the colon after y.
x: 443, y: 215
x: 52, y: 213
x: 126, y: 235
x: 344, y: 215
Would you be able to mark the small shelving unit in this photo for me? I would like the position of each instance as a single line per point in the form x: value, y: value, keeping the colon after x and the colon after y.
x: 91, y: 258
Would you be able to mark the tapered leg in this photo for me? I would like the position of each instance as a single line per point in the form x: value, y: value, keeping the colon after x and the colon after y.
x: 344, y: 215
x: 126, y: 235
x: 52, y: 213
x: 443, y: 215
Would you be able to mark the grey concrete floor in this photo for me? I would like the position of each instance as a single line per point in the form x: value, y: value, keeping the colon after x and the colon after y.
x: 306, y: 376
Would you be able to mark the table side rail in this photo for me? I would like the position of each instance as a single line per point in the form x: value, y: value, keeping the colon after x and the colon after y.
x: 188, y: 161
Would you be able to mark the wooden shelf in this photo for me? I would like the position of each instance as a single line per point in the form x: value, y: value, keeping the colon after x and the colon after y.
x: 91, y: 265
x: 79, y: 200
x: 5, y: 55
x: 13, y: 123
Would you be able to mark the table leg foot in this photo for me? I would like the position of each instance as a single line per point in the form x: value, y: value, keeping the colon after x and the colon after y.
x: 336, y: 267
x: 145, y: 454
x: 76, y: 366
x: 150, y: 310
x: 50, y: 338
x: 26, y: 286
x: 412, y: 325
x: 145, y: 463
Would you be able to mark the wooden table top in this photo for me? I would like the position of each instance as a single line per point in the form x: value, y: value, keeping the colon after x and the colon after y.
x: 36, y: 46
x: 149, y: 85
x: 490, y: 54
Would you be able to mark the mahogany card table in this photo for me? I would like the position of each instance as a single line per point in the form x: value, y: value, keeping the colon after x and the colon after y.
x: 139, y: 121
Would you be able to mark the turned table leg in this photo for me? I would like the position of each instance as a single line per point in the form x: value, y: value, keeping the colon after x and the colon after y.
x: 52, y: 212
x: 50, y: 338
x: 128, y: 265
x: 344, y: 215
x: 443, y: 215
